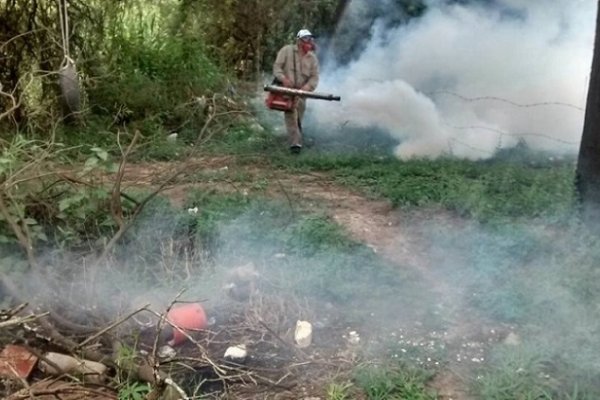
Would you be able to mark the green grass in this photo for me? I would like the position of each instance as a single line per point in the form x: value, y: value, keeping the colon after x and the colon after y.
x: 522, y: 374
x: 514, y: 184
x: 339, y: 391
x: 542, y: 280
x: 320, y: 259
x: 394, y: 382
x: 484, y: 191
x: 523, y: 258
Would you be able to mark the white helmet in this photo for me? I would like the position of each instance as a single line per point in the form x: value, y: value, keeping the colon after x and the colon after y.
x: 303, y: 33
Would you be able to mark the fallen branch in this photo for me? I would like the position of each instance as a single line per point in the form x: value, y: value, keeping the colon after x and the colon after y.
x: 294, y: 349
x: 20, y: 232
x: 218, y: 369
x: 57, y: 392
x: 112, y: 326
x: 116, y: 207
x: 21, y: 320
x: 143, y: 372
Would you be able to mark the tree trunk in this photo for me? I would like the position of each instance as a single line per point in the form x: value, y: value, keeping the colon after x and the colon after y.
x: 588, y: 164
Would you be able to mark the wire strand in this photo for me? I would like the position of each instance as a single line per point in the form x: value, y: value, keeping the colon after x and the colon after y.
x: 499, y: 99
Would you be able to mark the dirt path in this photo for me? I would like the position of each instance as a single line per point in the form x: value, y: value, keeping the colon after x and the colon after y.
x: 398, y: 236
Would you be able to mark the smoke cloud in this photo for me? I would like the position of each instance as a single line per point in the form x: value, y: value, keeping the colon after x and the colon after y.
x: 468, y: 79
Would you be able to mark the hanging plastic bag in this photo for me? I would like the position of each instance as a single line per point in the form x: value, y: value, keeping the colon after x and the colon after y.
x: 69, y: 86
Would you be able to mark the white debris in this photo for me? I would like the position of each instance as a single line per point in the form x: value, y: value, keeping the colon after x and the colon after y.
x: 172, y: 137
x: 353, y: 338
x: 512, y: 339
x: 166, y: 353
x: 303, y: 334
x: 236, y: 353
x: 279, y: 255
x: 193, y: 211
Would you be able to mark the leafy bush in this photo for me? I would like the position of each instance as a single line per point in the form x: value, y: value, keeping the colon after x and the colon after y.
x: 50, y: 208
x: 151, y: 74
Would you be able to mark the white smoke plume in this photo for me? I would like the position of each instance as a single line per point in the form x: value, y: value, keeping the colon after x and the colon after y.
x: 468, y: 79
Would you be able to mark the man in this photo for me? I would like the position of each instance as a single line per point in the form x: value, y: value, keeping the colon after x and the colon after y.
x: 297, y: 67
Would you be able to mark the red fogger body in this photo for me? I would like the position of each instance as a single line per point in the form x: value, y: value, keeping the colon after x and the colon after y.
x: 282, y: 98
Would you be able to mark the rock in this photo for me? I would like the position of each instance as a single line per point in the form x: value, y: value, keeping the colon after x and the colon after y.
x: 241, y: 282
x: 303, y: 334
x: 166, y: 353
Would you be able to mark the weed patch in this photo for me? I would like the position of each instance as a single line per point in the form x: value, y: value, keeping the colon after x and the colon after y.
x: 394, y: 382
x: 486, y: 191
x: 517, y: 374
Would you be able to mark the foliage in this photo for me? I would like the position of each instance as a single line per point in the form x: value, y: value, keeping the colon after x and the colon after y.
x: 50, y: 207
x: 317, y: 233
x: 128, y: 388
x: 339, y: 391
x: 134, y: 391
x: 540, y: 279
x: 394, y: 382
x: 142, y: 59
x: 520, y: 375
x: 246, y: 35
x: 150, y: 74
x: 242, y: 140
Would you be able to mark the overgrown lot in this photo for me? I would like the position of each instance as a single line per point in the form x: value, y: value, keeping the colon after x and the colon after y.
x: 423, y: 279
x: 519, y: 262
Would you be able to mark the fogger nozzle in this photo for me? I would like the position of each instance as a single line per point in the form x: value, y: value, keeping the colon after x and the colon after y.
x: 300, y: 93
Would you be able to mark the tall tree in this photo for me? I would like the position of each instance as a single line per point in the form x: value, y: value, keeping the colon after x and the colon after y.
x: 588, y: 164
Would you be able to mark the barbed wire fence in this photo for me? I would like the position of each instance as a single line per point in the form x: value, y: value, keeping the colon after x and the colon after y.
x: 502, y: 134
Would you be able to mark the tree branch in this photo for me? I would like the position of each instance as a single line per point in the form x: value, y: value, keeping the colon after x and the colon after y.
x: 21, y: 234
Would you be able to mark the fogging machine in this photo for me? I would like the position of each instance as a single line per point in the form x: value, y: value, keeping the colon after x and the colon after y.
x: 282, y: 98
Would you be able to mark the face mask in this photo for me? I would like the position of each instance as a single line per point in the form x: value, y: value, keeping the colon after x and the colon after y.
x: 307, y: 46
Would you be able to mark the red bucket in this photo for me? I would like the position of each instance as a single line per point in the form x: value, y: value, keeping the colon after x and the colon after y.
x: 189, y: 317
